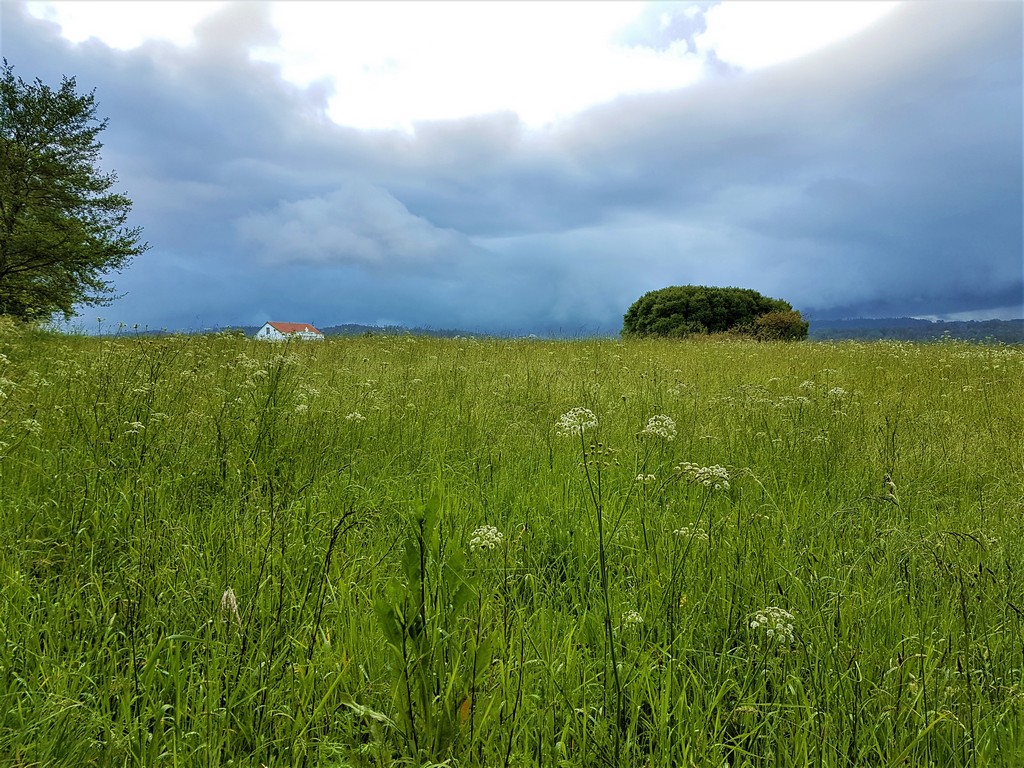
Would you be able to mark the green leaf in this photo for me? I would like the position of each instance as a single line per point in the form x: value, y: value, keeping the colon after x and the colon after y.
x: 482, y: 655
x: 390, y: 621
x: 431, y: 510
x: 364, y: 711
x: 411, y: 562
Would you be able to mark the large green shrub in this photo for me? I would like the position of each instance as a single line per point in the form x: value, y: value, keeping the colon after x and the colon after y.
x: 689, y: 309
x: 780, y: 326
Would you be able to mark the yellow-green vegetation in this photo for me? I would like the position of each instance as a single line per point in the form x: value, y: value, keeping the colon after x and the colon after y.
x: 402, y: 551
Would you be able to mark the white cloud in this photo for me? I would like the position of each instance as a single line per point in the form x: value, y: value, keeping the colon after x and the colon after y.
x: 397, y: 63
x: 124, y: 25
x: 752, y: 35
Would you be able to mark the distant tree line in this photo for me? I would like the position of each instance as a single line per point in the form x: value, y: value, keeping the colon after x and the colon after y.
x: 914, y: 329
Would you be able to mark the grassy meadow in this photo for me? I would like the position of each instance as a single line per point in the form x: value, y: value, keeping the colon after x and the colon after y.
x: 406, y: 551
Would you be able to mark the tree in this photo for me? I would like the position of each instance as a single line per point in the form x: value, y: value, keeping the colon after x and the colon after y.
x: 693, y: 309
x: 61, y: 228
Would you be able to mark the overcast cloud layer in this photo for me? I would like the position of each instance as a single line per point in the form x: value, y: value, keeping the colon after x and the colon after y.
x: 881, y: 176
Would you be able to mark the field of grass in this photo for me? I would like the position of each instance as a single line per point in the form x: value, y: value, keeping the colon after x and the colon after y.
x: 405, y: 551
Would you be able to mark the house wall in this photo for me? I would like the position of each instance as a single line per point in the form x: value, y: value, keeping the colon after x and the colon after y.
x: 269, y: 333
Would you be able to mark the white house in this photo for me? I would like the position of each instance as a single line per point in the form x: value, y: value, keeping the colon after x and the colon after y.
x: 283, y: 331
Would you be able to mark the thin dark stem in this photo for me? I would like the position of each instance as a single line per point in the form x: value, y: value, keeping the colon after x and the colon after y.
x: 595, y: 496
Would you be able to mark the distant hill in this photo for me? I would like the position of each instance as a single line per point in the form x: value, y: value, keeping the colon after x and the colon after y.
x: 354, y: 329
x: 866, y: 329
x: 916, y: 329
x: 348, y: 329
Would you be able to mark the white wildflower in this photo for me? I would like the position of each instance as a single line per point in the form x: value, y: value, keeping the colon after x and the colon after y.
x: 642, y: 478
x: 484, y: 538
x: 660, y: 426
x: 715, y: 477
x: 33, y: 426
x: 986, y: 540
x: 576, y: 422
x: 134, y: 427
x: 632, y: 619
x: 776, y: 623
x: 355, y: 416
x: 837, y: 392
x: 692, y: 532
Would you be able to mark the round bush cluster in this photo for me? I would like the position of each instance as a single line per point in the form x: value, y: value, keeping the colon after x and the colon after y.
x: 686, y: 310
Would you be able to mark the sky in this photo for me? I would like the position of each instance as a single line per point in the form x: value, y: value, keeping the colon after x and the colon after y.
x: 512, y: 167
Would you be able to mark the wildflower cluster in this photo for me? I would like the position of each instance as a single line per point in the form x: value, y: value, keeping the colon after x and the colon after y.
x: 776, y: 623
x: 642, y: 478
x: 985, y: 540
x: 660, y: 426
x: 575, y: 422
x: 632, y: 619
x: 355, y: 416
x: 692, y: 532
x: 789, y: 401
x: 484, y: 538
x: 714, y: 478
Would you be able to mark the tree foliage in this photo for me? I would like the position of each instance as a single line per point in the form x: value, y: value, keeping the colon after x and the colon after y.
x: 61, y: 227
x: 694, y: 309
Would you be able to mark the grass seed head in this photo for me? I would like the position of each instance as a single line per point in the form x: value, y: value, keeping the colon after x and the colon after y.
x: 229, y: 607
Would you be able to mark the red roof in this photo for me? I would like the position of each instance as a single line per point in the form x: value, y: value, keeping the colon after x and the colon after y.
x: 293, y: 327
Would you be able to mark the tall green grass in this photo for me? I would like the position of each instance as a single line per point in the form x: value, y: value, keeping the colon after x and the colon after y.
x: 220, y: 552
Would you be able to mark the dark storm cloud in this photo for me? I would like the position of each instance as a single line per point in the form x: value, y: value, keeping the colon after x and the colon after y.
x: 359, y: 224
x: 879, y: 177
